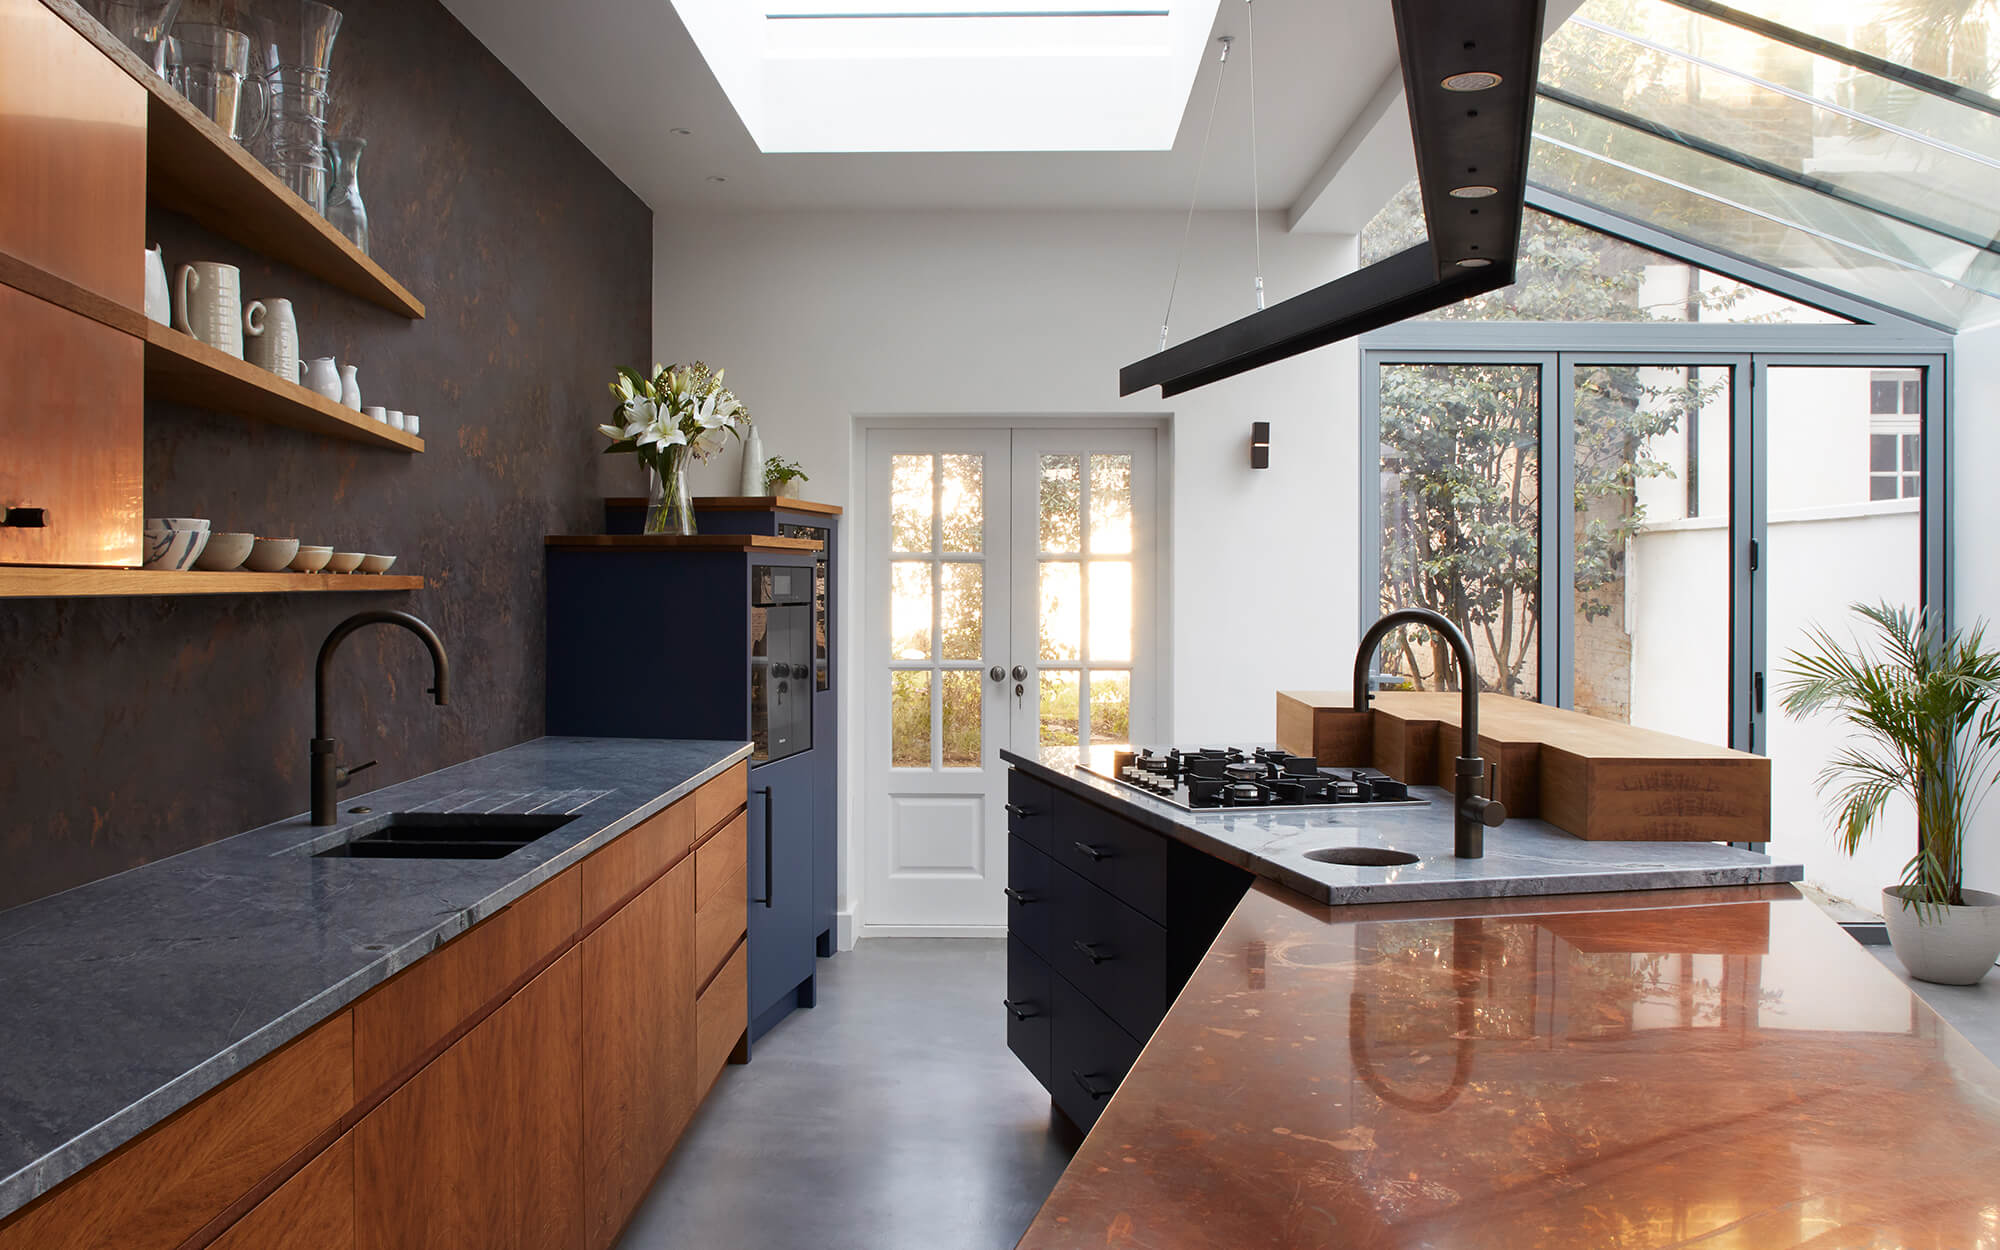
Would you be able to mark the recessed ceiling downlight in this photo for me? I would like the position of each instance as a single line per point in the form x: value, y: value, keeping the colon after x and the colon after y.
x: 1471, y: 80
x: 1474, y: 192
x: 1474, y: 262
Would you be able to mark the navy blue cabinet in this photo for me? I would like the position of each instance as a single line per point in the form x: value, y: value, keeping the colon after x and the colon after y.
x: 781, y: 888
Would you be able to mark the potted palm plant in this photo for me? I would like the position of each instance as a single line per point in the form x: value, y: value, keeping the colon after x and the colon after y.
x: 1926, y: 706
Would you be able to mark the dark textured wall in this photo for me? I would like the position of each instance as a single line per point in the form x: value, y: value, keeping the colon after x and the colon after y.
x: 137, y: 728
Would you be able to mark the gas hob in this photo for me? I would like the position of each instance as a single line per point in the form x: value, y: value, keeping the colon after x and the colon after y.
x: 1206, y: 778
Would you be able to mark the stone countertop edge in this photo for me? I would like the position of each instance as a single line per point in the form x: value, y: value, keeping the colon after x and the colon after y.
x: 1619, y: 865
x: 30, y: 1180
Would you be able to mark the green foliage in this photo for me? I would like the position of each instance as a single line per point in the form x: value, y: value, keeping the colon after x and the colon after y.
x: 778, y: 469
x: 1926, y: 705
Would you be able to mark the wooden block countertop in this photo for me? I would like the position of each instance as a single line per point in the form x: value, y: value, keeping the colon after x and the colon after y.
x: 1594, y: 778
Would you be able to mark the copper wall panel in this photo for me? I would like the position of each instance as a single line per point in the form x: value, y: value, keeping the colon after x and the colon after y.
x: 72, y: 397
x: 73, y: 152
x: 133, y: 729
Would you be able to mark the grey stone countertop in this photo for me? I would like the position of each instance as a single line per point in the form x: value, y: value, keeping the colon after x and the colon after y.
x: 1523, y: 857
x: 124, y: 1000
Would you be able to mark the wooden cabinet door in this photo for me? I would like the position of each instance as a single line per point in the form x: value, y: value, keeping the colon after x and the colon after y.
x: 483, y: 1147
x: 312, y: 1211
x: 638, y: 1047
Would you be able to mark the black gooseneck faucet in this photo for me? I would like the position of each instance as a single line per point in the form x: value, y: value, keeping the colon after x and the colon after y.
x: 1472, y: 812
x: 327, y: 774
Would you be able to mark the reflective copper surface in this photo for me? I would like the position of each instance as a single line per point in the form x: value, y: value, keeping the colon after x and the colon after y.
x: 1721, y: 1068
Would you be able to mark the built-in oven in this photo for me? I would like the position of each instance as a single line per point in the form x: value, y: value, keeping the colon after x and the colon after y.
x: 822, y: 626
x: 781, y: 660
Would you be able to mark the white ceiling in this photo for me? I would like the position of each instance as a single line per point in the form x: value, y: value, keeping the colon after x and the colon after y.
x: 623, y: 74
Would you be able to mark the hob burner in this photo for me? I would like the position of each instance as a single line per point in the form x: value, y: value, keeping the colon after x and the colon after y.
x: 1203, y: 778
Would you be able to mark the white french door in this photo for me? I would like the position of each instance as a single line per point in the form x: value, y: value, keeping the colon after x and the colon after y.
x: 1011, y: 580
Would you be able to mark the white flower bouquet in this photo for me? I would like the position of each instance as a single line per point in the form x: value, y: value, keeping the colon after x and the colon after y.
x: 674, y: 414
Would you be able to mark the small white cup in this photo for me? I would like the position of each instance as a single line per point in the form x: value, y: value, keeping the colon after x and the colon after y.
x: 395, y: 419
x: 411, y: 422
x: 377, y: 413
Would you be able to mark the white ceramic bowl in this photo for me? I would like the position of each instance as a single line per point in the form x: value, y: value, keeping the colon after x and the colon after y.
x: 225, y: 552
x: 173, y: 549
x: 344, y: 562
x: 176, y: 523
x: 310, y: 559
x: 376, y: 564
x: 271, y: 555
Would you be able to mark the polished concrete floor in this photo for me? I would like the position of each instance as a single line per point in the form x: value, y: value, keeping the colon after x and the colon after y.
x: 890, y: 1116
x: 1973, y: 1010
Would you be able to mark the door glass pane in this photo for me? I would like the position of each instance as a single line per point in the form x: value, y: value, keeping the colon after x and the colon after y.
x: 1061, y: 614
x: 910, y: 502
x: 1653, y: 547
x: 1831, y: 543
x: 909, y: 609
x: 962, y: 693
x: 959, y: 601
x: 962, y: 503
x: 1059, y: 707
x: 1110, y: 610
x: 910, y: 719
x: 1061, y: 496
x: 1461, y: 517
x: 1110, y: 706
x: 1110, y: 504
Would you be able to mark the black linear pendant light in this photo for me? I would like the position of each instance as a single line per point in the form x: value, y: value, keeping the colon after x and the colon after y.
x: 1469, y: 72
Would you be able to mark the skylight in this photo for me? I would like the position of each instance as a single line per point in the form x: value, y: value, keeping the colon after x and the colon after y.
x: 954, y: 75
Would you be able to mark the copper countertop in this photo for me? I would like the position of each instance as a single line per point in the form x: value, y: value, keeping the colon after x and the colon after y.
x: 1723, y: 1068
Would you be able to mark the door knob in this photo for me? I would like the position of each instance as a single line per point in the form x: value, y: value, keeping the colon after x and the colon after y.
x: 1020, y: 672
x: 997, y: 673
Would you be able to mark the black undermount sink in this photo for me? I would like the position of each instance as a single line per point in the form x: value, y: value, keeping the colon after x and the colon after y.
x: 445, y: 835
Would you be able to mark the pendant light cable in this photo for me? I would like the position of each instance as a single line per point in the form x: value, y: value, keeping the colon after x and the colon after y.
x: 1201, y: 163
x: 1256, y: 194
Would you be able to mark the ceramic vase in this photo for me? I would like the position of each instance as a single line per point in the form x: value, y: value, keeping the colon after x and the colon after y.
x: 669, y: 506
x: 753, y: 464
x: 274, y: 337
x: 321, y: 376
x: 159, y: 304
x: 1944, y: 945
x: 350, y: 387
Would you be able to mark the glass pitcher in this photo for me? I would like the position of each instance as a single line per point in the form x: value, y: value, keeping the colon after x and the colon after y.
x: 214, y: 73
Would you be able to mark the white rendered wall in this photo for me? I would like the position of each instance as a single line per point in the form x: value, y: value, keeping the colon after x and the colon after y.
x: 1975, y: 535
x: 823, y: 318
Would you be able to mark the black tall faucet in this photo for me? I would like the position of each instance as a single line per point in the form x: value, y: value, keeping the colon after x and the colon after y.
x: 1472, y: 812
x: 327, y: 774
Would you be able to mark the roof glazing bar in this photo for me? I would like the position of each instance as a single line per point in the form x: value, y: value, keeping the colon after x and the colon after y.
x: 1780, y: 33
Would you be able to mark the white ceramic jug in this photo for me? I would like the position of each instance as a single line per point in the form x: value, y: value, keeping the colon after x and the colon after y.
x: 208, y: 304
x: 274, y: 337
x: 321, y: 376
x: 350, y: 387
x: 159, y: 304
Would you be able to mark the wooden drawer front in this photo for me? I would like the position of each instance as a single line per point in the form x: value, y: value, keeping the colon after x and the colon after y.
x: 721, y: 886
x: 635, y: 860
x: 1028, y: 895
x: 1030, y: 810
x: 1089, y: 1055
x: 312, y: 1211
x: 718, y: 799
x: 406, y: 1019
x: 72, y: 411
x: 1111, y: 852
x: 721, y: 1017
x: 73, y: 145
x: 1112, y: 953
x: 1028, y: 984
x: 170, y: 1182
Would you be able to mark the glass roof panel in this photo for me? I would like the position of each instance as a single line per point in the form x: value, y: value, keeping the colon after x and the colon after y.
x: 1956, y: 40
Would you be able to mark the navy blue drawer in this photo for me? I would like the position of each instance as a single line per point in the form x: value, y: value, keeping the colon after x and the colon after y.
x: 1115, y: 955
x: 1028, y: 902
x: 1112, y: 853
x: 1089, y: 1056
x: 1028, y: 1010
x: 1030, y: 811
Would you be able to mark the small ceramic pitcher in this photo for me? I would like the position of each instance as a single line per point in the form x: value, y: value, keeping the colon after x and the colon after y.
x: 321, y: 376
x: 274, y: 337
x: 159, y: 304
x: 208, y: 304
x: 350, y: 387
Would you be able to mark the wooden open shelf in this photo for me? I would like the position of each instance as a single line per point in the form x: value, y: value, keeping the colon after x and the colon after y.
x: 189, y: 371
x: 194, y: 168
x: 681, y: 542
x: 19, y: 582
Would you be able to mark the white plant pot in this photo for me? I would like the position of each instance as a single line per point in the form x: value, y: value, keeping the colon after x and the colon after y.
x: 1944, y: 945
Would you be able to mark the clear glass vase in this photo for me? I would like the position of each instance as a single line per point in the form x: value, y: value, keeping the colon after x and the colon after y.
x: 344, y: 210
x: 669, y: 505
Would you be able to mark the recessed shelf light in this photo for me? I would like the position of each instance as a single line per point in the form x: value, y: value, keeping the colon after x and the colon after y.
x: 1474, y: 192
x: 717, y: 178
x: 1474, y: 262
x: 1471, y: 80
x: 680, y: 130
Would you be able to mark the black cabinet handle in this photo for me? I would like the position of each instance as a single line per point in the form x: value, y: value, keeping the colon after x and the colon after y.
x: 1093, y: 852
x: 1097, y: 1093
x: 1089, y: 951
x: 766, y: 900
x: 1022, y: 1011
x: 1021, y: 811
x: 1020, y: 898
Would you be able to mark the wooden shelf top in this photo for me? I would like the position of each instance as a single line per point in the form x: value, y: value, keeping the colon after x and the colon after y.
x: 194, y: 168
x: 677, y: 542
x: 736, y: 503
x: 20, y: 582
x: 191, y: 372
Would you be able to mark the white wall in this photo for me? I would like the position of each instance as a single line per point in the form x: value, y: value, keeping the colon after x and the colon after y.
x: 1975, y: 525
x: 822, y: 318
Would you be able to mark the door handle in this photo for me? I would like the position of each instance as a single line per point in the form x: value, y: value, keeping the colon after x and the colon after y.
x: 766, y: 900
x: 1097, y: 1093
x: 1090, y: 951
x: 1021, y: 898
x: 1020, y: 672
x: 997, y: 673
x: 1020, y: 811
x: 1021, y: 1011
x: 1095, y: 854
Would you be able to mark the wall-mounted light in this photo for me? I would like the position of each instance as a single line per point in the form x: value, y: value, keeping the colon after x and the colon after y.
x: 1260, y: 444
